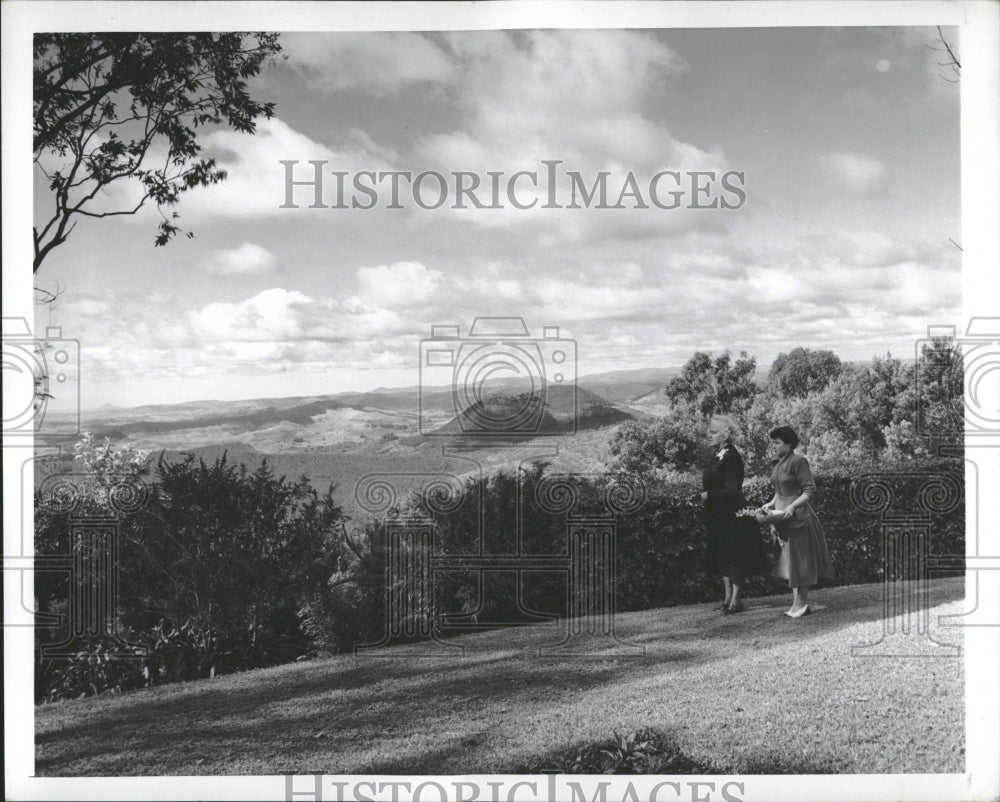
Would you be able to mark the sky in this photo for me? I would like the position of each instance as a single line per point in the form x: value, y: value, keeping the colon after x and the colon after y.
x: 846, y: 139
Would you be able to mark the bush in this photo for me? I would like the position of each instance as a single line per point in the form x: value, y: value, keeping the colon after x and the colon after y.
x: 660, y: 549
x: 235, y: 555
x: 647, y: 751
x: 164, y: 654
x: 99, y: 666
x: 261, y: 570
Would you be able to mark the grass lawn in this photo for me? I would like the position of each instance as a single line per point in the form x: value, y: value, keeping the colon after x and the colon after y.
x: 750, y: 693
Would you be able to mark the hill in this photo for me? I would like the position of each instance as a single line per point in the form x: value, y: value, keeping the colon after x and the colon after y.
x: 342, y: 437
x: 627, y: 385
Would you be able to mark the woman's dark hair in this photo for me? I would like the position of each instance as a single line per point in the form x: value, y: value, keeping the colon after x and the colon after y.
x: 786, y: 434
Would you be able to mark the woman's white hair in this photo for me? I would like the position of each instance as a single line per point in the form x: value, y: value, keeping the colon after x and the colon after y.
x: 730, y: 427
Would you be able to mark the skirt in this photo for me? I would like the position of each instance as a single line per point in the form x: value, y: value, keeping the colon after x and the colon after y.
x: 805, y: 559
x: 735, y: 548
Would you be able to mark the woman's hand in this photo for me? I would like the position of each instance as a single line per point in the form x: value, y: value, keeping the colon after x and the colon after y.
x: 788, y: 513
x: 704, y: 495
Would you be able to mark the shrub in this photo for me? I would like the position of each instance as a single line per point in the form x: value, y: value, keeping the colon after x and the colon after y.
x: 646, y: 751
x: 166, y: 653
x: 660, y: 548
x: 235, y: 555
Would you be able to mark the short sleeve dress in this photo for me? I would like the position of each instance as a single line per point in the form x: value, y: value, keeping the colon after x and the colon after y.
x: 804, y: 559
x: 735, y: 548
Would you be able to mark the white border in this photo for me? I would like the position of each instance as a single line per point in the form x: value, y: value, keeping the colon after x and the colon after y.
x: 980, y: 119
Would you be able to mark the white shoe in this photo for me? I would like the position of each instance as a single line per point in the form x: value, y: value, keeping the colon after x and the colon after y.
x: 803, y: 610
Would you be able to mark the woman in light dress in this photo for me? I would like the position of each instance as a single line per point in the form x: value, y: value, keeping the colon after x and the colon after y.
x: 804, y: 559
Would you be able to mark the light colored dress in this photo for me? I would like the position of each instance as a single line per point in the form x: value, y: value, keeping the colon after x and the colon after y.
x: 804, y: 559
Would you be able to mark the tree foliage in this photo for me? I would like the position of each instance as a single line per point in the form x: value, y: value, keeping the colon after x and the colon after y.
x: 113, y: 107
x: 222, y: 553
x: 845, y: 415
x: 676, y: 441
x: 941, y: 399
x: 715, y: 385
x: 802, y: 371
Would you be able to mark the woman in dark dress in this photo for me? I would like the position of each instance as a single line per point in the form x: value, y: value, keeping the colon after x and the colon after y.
x: 735, y: 549
x: 804, y: 557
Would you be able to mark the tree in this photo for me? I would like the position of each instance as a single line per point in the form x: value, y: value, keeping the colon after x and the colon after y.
x: 948, y: 59
x: 720, y: 386
x: 234, y: 549
x: 940, y: 404
x: 676, y: 441
x: 802, y: 371
x: 116, y: 107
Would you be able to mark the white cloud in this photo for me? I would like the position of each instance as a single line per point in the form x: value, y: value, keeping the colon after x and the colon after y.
x: 274, y: 314
x: 255, y: 184
x: 860, y: 174
x: 577, y: 97
x: 558, y: 72
x: 247, y: 259
x: 400, y: 284
x: 378, y: 64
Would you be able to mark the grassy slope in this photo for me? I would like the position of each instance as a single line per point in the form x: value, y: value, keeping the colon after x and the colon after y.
x: 753, y: 693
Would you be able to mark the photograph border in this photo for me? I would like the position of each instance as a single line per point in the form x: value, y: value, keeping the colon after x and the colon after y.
x: 979, y: 36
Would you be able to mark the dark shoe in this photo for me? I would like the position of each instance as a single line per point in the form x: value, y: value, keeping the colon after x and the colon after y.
x: 724, y: 606
x: 738, y: 608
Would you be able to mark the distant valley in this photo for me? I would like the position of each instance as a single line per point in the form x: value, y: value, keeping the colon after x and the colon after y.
x: 340, y: 438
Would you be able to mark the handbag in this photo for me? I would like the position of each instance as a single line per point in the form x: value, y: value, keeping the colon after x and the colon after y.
x: 773, y: 544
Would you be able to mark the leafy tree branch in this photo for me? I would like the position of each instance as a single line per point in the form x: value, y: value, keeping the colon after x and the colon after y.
x: 129, y: 108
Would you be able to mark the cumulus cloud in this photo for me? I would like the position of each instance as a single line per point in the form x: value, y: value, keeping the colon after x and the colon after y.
x: 247, y: 259
x: 274, y: 314
x: 255, y: 177
x: 649, y: 309
x: 378, y: 64
x: 399, y: 284
x: 576, y: 97
x: 860, y: 174
x: 255, y: 185
x: 516, y: 99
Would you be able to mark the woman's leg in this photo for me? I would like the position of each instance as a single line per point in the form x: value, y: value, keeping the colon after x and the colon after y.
x: 729, y: 590
x: 800, y: 597
x: 734, y: 599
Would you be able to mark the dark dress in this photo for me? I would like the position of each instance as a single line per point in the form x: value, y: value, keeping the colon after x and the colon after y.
x: 735, y: 546
x: 804, y: 557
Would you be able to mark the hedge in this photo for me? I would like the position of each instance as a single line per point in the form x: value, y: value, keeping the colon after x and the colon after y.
x: 660, y: 544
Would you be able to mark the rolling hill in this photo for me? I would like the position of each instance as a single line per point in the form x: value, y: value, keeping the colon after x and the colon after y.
x: 339, y: 439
